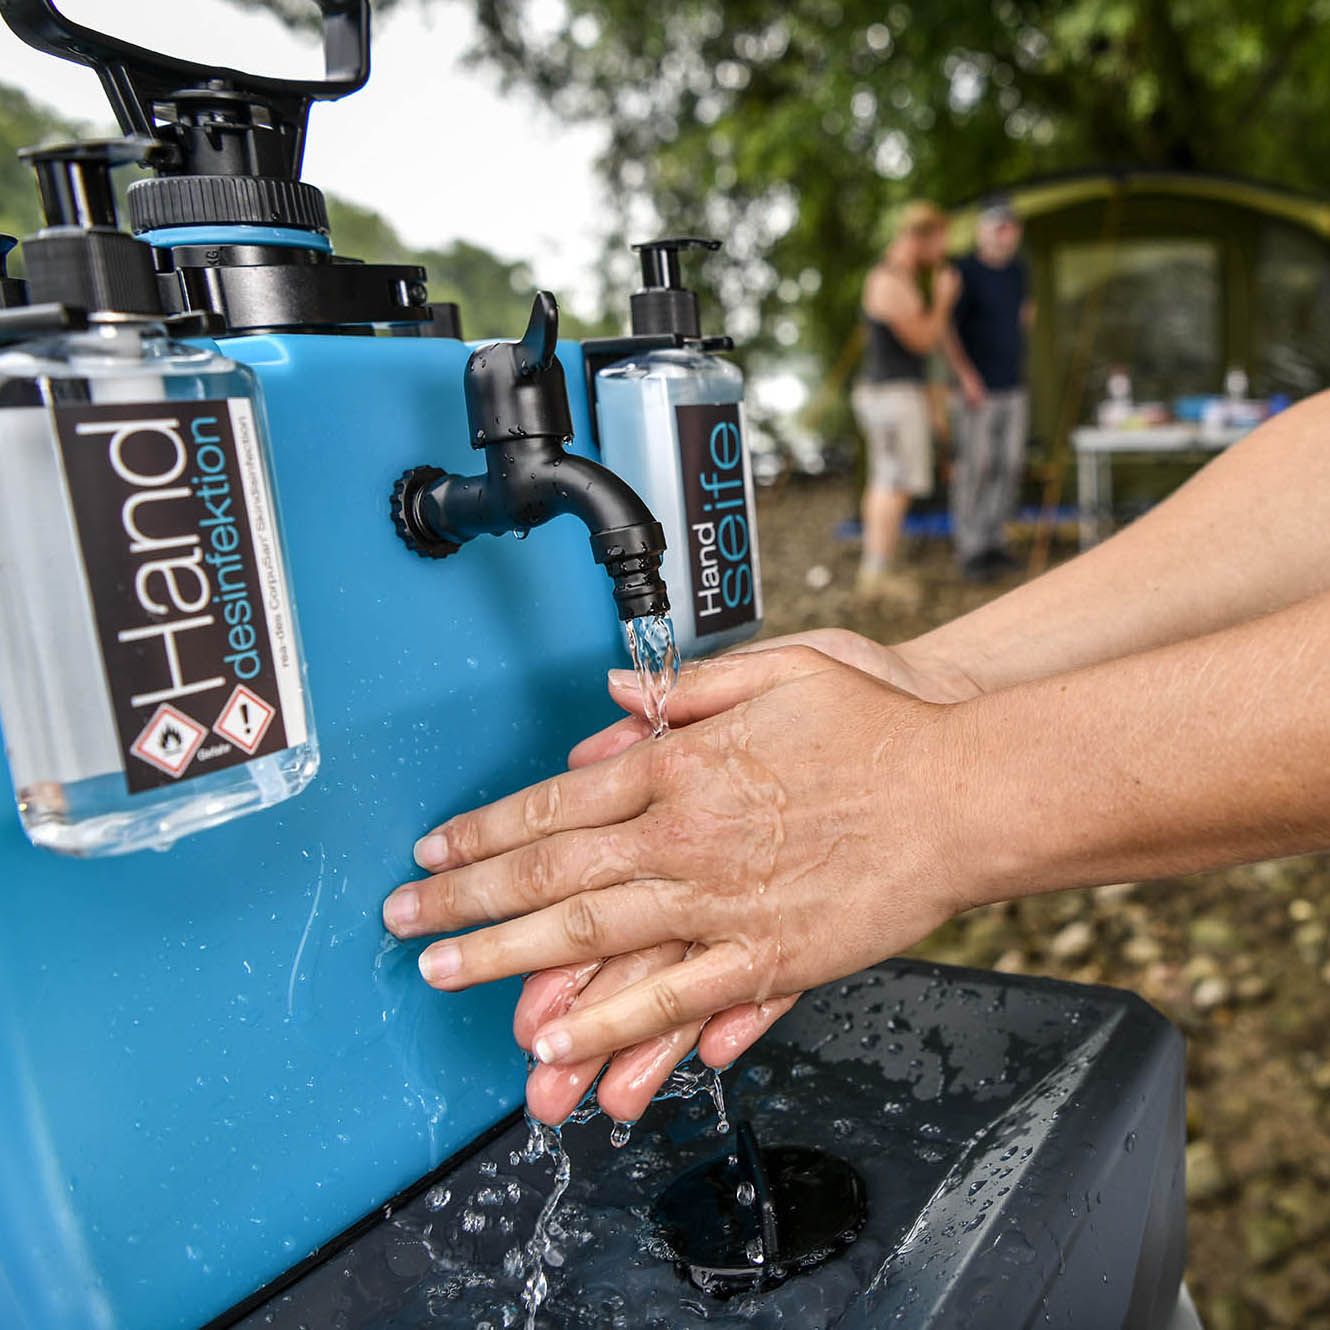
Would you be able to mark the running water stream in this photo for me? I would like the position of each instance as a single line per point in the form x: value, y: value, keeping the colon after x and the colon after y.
x: 656, y: 660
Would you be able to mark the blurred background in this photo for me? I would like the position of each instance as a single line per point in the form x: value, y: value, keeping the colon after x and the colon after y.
x: 1171, y: 162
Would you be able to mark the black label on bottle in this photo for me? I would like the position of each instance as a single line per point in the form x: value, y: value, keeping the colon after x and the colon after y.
x: 179, y: 541
x: 718, y: 510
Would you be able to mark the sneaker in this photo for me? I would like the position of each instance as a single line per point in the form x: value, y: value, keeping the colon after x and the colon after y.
x: 978, y: 568
x: 1000, y: 561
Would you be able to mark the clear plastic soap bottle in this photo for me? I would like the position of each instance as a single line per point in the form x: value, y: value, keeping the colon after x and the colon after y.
x: 152, y: 682
x: 671, y: 424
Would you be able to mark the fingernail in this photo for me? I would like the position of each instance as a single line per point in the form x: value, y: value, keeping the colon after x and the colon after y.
x: 430, y: 850
x: 401, y: 909
x: 440, y: 962
x: 623, y: 679
x: 553, y: 1045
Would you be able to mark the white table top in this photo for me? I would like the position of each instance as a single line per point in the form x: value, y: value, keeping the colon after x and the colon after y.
x: 1179, y: 437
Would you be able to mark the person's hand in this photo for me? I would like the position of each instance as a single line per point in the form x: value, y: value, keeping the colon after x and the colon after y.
x: 903, y: 666
x: 633, y: 1076
x: 946, y: 286
x: 794, y: 835
x: 972, y: 389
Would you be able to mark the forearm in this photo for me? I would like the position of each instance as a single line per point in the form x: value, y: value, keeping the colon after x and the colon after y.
x: 1202, y: 753
x: 960, y: 363
x: 1248, y: 535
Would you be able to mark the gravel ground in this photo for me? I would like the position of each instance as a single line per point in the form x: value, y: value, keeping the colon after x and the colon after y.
x: 1239, y: 960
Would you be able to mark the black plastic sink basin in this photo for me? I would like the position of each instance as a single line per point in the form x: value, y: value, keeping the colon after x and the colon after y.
x: 1020, y: 1144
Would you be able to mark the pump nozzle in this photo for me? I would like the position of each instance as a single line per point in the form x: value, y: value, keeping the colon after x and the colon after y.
x: 517, y: 413
x: 80, y: 258
x: 664, y: 304
x: 74, y: 179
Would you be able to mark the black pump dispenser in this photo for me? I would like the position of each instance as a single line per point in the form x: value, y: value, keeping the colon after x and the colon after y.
x: 664, y: 304
x: 81, y: 258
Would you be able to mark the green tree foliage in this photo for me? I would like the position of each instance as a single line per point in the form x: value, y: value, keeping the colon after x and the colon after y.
x: 494, y: 294
x: 792, y: 129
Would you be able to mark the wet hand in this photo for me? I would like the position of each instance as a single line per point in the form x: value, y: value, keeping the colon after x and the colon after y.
x: 793, y: 833
x: 633, y: 1076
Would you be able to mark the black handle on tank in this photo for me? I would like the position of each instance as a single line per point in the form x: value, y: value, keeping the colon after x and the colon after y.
x: 139, y: 82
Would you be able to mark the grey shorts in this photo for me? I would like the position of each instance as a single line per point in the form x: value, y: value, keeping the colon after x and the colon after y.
x: 893, y: 418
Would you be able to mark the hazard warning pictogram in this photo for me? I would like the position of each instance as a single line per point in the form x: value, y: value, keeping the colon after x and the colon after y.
x: 169, y: 740
x: 245, y: 719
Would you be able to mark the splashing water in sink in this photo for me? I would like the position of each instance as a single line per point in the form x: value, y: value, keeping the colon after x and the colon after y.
x: 543, y: 1249
x: 656, y: 660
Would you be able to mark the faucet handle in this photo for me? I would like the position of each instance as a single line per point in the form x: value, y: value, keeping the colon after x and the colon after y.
x: 536, y: 349
x: 516, y: 390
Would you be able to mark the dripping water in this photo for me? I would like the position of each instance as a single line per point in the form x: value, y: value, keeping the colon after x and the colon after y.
x: 656, y: 662
x: 543, y: 1250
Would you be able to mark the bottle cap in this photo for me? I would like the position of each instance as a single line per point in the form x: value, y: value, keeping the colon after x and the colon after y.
x: 81, y: 257
x: 230, y: 165
x: 664, y: 304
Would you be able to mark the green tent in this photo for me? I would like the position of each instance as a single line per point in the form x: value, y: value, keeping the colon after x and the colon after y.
x: 1178, y: 277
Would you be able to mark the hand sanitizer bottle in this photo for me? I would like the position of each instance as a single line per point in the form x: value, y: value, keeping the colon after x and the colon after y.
x: 151, y: 676
x: 671, y: 424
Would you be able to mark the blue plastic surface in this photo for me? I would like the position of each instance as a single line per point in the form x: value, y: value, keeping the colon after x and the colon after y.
x: 290, y: 236
x: 213, y: 1059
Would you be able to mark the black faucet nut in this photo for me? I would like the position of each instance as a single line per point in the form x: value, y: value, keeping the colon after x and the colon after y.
x: 418, y: 535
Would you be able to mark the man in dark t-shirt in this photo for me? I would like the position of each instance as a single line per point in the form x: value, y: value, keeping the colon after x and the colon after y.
x: 986, y: 348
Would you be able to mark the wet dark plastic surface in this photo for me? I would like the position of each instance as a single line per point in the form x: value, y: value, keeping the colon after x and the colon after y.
x: 1021, y: 1143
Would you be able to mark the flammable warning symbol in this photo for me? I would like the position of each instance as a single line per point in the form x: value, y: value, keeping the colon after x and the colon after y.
x: 169, y: 740
x: 245, y: 719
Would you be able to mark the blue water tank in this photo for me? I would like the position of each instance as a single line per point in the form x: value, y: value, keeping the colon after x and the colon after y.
x: 213, y: 1059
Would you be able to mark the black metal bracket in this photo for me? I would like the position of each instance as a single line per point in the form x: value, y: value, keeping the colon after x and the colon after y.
x: 25, y: 321
x: 598, y: 352
x: 270, y: 287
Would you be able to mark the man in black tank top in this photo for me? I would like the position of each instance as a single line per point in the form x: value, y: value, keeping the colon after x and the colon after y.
x: 986, y: 349
x: 890, y: 398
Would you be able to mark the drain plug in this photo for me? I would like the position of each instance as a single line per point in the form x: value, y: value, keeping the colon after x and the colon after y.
x: 755, y: 1215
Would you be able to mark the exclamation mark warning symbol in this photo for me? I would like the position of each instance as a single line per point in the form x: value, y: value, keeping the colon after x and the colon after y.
x: 244, y: 719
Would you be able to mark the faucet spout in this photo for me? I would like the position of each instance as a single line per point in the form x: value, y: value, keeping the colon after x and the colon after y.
x: 517, y: 410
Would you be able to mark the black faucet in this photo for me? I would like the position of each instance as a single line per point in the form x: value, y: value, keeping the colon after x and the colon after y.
x: 517, y: 413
